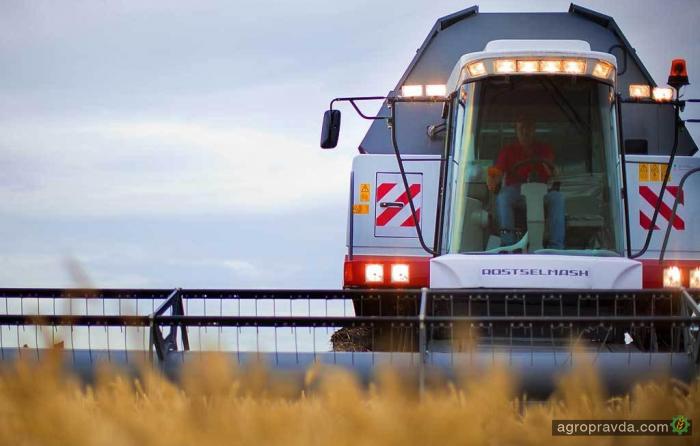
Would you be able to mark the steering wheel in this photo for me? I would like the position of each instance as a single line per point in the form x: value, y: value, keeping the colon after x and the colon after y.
x: 535, y: 162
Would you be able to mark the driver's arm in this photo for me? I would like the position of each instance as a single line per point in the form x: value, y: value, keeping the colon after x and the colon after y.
x: 496, y: 172
x: 548, y: 155
x: 494, y: 178
x: 551, y: 173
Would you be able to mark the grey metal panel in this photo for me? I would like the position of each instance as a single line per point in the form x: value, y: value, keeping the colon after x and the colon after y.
x: 609, y: 23
x: 441, y: 24
x: 469, y: 31
x: 655, y: 123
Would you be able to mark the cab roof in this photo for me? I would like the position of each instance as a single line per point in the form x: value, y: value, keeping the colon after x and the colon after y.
x: 468, y: 31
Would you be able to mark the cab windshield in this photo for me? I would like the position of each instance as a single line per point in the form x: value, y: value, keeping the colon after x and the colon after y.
x: 534, y: 168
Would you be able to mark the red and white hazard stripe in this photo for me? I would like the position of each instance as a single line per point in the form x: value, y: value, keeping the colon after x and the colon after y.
x: 649, y: 196
x: 395, y: 216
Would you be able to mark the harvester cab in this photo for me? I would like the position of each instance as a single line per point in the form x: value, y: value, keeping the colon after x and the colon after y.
x: 531, y: 170
x: 531, y: 189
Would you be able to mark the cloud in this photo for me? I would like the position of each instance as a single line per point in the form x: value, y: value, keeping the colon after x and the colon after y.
x: 175, y: 144
x: 160, y: 167
x: 33, y: 270
x: 243, y: 268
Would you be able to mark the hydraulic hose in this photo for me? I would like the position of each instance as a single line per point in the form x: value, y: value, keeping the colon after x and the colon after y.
x: 674, y: 210
x: 419, y: 231
x: 667, y: 175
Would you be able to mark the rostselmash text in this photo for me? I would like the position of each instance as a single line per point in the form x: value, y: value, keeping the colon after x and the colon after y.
x: 535, y: 272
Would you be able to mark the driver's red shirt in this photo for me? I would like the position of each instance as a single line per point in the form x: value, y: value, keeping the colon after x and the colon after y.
x: 512, y: 154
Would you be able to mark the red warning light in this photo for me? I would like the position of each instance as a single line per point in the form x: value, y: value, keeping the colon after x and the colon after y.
x: 678, y: 77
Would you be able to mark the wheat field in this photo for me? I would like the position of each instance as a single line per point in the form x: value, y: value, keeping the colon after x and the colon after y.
x: 216, y: 404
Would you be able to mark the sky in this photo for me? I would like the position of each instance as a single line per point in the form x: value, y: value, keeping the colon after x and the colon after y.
x: 175, y: 144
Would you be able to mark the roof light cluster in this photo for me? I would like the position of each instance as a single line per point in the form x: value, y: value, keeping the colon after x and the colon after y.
x: 658, y: 94
x: 599, y: 69
x: 421, y: 91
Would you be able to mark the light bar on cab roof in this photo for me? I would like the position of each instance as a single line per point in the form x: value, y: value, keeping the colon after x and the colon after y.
x: 550, y: 66
x: 418, y: 91
x: 477, y: 69
x: 528, y: 66
x: 574, y: 66
x: 600, y: 69
x: 505, y: 66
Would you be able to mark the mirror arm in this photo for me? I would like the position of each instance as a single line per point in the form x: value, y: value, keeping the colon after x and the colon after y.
x: 359, y: 112
x: 391, y: 99
x: 352, y: 101
x: 391, y: 102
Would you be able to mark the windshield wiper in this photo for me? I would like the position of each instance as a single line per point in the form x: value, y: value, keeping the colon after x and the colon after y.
x: 569, y: 111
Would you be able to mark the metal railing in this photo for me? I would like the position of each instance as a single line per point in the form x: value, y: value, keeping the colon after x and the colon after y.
x: 424, y: 329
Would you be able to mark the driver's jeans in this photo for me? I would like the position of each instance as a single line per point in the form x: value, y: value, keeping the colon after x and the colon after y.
x: 509, y: 199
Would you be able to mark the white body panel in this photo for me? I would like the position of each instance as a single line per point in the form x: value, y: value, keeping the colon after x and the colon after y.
x: 533, y: 46
x: 644, y: 178
x: 534, y: 271
x: 376, y: 227
x: 367, y: 237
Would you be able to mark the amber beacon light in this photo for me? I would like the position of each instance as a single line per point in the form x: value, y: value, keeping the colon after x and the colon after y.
x: 678, y: 76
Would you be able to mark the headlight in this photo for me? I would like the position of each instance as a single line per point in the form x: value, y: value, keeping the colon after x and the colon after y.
x: 399, y: 273
x: 574, y: 66
x: 505, y: 66
x: 374, y: 273
x: 662, y: 94
x: 477, y: 69
x: 412, y: 91
x: 528, y: 66
x: 672, y: 277
x: 602, y: 70
x: 695, y: 278
x: 419, y: 91
x: 638, y: 91
x: 550, y: 66
x: 436, y: 90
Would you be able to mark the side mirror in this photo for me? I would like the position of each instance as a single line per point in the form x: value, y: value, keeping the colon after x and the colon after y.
x: 331, y: 129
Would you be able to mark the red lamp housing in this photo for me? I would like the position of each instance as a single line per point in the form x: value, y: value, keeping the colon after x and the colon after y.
x: 678, y: 76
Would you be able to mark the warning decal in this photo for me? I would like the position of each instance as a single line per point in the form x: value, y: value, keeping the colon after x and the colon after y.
x: 362, y: 209
x: 389, y: 215
x: 365, y: 190
x: 393, y: 213
x: 650, y: 195
x: 652, y: 172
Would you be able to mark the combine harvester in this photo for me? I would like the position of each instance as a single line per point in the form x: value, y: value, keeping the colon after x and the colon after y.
x: 526, y: 186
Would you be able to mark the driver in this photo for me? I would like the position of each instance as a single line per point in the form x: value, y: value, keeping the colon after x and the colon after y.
x: 520, y: 162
